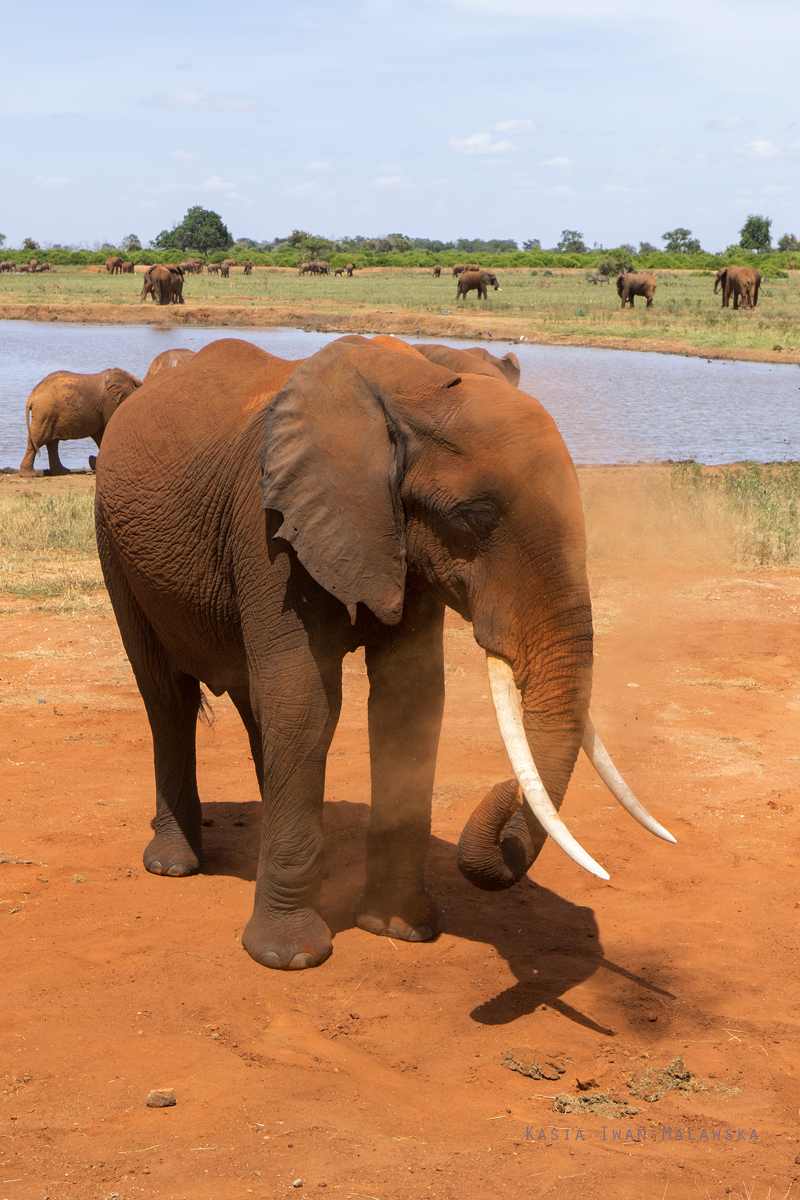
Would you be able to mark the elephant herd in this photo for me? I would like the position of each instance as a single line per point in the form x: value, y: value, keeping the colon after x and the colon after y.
x: 25, y: 268
x: 288, y: 513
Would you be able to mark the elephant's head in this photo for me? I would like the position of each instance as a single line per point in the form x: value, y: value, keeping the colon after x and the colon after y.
x: 719, y: 279
x: 384, y: 464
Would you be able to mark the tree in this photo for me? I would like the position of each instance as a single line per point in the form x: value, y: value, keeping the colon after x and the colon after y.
x: 627, y: 247
x: 2, y: 239
x: 615, y: 262
x: 680, y: 241
x: 532, y: 244
x: 571, y: 242
x: 30, y: 244
x: 648, y: 248
x: 755, y: 233
x: 200, y: 229
x: 788, y: 242
x: 130, y: 243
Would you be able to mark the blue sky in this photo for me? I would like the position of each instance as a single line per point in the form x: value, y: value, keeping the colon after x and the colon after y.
x: 444, y: 118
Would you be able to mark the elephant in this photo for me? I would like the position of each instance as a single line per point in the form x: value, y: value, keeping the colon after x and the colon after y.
x: 349, y: 269
x: 213, y: 268
x: 475, y: 361
x: 248, y: 266
x: 631, y: 284
x: 168, y: 359
x: 7, y: 266
x: 478, y: 281
x: 33, y: 264
x: 22, y: 268
x: 66, y: 406
x: 164, y: 282
x: 114, y: 266
x: 460, y: 268
x: 437, y: 270
x: 224, y: 269
x: 339, y: 272
x: 742, y: 282
x: 287, y: 513
x: 127, y: 268
x: 307, y: 268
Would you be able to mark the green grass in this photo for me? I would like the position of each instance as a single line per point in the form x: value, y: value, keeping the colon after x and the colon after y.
x: 685, y: 308
x: 762, y: 498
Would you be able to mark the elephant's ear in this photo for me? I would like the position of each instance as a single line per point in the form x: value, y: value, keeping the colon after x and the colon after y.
x: 332, y: 463
x: 119, y: 384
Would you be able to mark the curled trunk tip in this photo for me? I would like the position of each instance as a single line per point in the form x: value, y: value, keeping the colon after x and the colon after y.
x: 495, y: 849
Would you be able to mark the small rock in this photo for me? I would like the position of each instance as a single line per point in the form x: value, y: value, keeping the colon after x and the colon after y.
x: 240, y: 825
x: 297, y: 1183
x: 161, y: 1098
x: 583, y: 1085
x: 80, y: 879
x: 207, y: 821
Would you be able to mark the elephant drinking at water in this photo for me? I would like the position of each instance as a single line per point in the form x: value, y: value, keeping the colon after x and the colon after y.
x: 66, y: 406
x: 288, y: 513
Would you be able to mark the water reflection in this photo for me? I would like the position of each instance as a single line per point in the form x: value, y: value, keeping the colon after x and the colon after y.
x: 612, y: 406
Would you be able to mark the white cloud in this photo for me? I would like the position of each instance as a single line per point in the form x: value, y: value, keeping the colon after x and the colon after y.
x: 519, y: 125
x: 561, y: 164
x: 182, y: 156
x: 725, y: 123
x: 759, y: 150
x: 396, y: 182
x: 52, y: 181
x: 317, y: 167
x: 202, y: 100
x: 307, y: 191
x: 481, y: 143
x: 215, y: 183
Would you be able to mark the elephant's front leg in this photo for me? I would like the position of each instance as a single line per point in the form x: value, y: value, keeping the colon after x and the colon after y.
x: 406, y: 677
x: 296, y: 706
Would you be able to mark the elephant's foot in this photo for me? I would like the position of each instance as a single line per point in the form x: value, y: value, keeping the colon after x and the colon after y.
x: 92, y: 462
x: 171, y: 854
x: 27, y: 473
x: 289, y: 941
x: 409, y: 915
x: 58, y: 471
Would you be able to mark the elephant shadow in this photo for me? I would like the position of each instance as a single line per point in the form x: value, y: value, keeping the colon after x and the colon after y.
x: 550, y: 944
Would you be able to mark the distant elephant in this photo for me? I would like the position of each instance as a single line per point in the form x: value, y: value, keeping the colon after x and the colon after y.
x: 323, y: 268
x: 339, y: 272
x: 224, y: 269
x: 350, y: 268
x: 33, y: 264
x: 164, y: 282
x: 66, y: 406
x: 631, y: 284
x: 127, y: 268
x: 437, y: 270
x: 213, y: 268
x: 258, y: 520
x: 232, y: 262
x: 742, y: 282
x: 168, y: 359
x: 477, y: 281
x: 475, y: 360
x: 114, y: 266
x: 307, y: 268
x: 7, y: 266
x: 23, y: 269
x: 460, y: 268
x: 248, y: 266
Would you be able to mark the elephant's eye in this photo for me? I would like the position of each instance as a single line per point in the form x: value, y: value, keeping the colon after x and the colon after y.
x: 470, y: 523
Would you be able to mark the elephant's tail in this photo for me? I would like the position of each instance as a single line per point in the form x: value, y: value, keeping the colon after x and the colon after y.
x: 28, y: 411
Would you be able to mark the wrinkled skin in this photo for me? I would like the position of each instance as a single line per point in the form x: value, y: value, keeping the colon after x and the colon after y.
x: 475, y: 361
x: 477, y: 281
x: 632, y: 284
x: 168, y: 359
x: 66, y: 406
x: 286, y: 513
x: 740, y: 282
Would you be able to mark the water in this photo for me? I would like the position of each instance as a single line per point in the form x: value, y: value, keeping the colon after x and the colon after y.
x: 612, y: 406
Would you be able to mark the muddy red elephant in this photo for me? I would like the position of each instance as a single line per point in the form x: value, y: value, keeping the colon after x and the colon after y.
x: 290, y: 512
x: 66, y: 406
x: 636, y: 284
x: 742, y: 283
x: 478, y: 281
x: 164, y: 282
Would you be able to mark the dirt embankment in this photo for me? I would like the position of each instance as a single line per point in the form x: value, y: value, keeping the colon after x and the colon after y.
x: 367, y: 321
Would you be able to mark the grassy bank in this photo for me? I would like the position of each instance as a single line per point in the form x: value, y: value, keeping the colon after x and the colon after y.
x: 538, y: 304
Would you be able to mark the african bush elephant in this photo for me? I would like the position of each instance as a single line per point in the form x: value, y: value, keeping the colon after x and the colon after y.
x: 164, y: 282
x: 476, y: 281
x: 460, y: 268
x: 224, y: 269
x: 7, y: 266
x: 287, y: 513
x: 66, y: 406
x: 307, y: 268
x: 339, y: 272
x: 248, y: 266
x: 213, y: 268
x: 127, y: 268
x: 741, y: 282
x: 114, y: 266
x: 631, y: 284
x: 168, y: 359
x: 437, y: 270
x: 475, y: 361
x: 349, y: 269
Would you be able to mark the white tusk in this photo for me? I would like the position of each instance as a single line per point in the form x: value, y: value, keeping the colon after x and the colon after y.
x: 508, y: 708
x: 601, y: 761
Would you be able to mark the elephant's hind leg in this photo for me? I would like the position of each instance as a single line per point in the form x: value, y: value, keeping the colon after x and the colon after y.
x: 26, y: 467
x: 56, y: 465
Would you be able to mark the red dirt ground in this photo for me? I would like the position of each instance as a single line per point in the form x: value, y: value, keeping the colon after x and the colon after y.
x: 378, y: 1074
